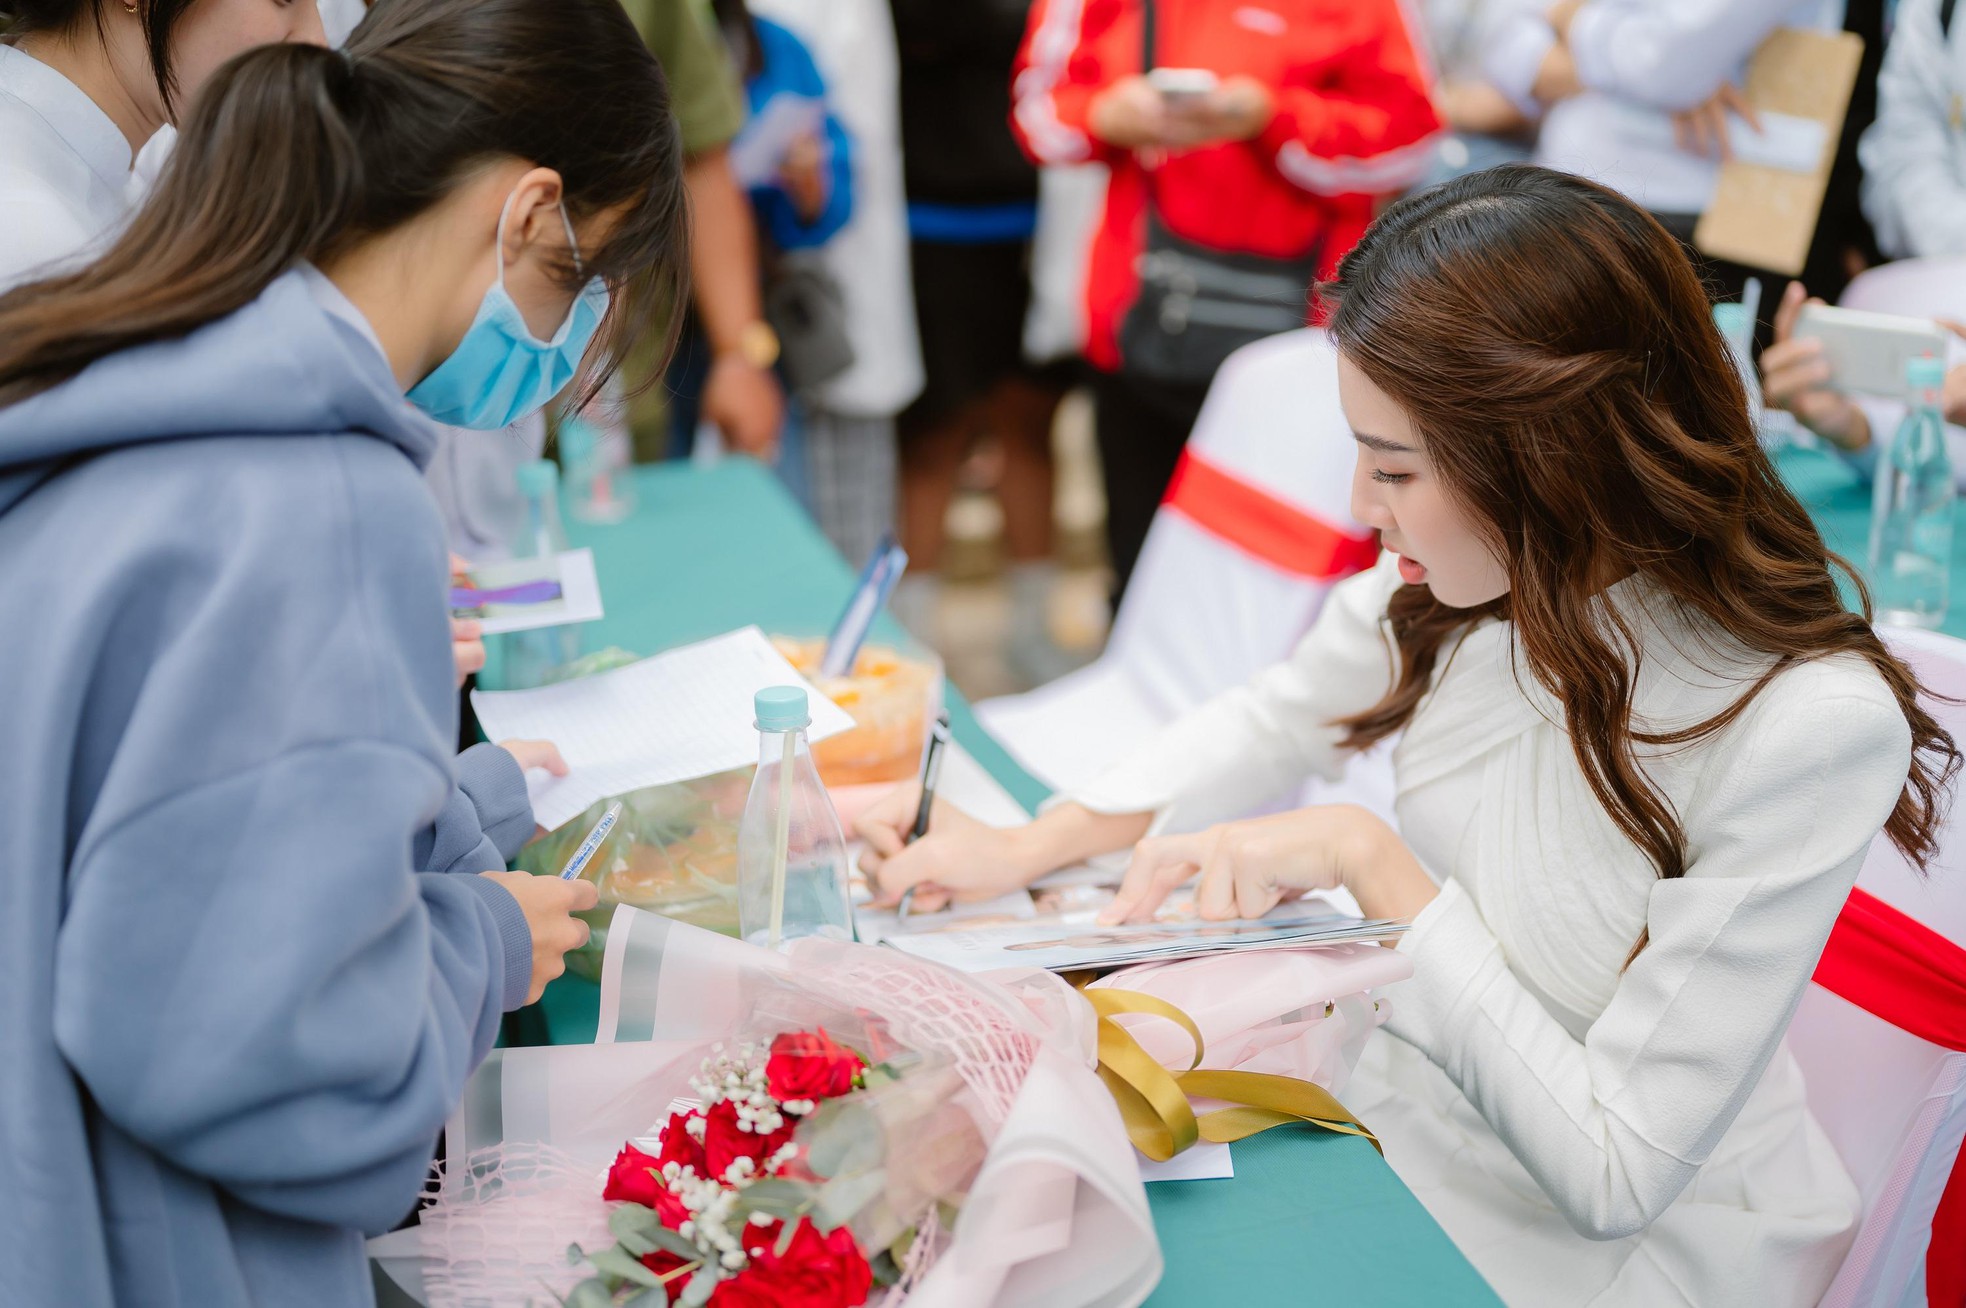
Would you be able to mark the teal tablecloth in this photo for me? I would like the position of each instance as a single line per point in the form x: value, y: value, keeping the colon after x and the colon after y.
x: 1310, y: 1219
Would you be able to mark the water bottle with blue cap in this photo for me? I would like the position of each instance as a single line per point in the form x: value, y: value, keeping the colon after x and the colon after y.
x: 791, y: 855
x: 1912, y: 508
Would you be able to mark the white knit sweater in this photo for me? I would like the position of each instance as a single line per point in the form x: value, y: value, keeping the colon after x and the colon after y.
x: 1588, y: 1132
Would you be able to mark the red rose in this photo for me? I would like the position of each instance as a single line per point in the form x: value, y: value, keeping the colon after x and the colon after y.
x: 678, y: 1145
x: 810, y: 1065
x: 636, y: 1178
x: 633, y: 1178
x: 723, y: 1143
x: 815, y: 1271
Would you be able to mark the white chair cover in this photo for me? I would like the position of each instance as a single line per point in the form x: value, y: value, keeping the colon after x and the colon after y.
x: 1914, y: 288
x: 1894, y: 1105
x: 1205, y: 610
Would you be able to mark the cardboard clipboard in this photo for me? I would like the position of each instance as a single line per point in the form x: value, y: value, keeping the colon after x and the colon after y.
x: 1766, y: 217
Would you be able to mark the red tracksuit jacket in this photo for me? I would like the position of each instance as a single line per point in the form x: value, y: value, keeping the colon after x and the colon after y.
x: 1354, y: 120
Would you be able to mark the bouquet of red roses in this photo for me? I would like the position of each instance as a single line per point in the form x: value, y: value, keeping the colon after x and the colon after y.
x: 750, y: 1197
x: 795, y: 1130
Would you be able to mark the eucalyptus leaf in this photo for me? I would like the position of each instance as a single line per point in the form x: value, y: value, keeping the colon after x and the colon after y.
x: 775, y: 1198
x: 839, y: 1201
x: 631, y: 1224
x: 701, y: 1286
x: 574, y: 1256
x: 591, y: 1293
x: 842, y: 1138
x: 615, y: 1263
x: 665, y: 1239
x: 655, y: 1296
x: 886, y: 1271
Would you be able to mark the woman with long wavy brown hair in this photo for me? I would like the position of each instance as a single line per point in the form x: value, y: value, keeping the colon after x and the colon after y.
x: 1642, y: 751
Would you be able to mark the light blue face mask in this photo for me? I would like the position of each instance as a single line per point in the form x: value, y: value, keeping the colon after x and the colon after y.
x: 500, y: 372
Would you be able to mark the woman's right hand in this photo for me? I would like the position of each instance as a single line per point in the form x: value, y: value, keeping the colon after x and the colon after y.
x: 1795, y: 376
x: 959, y: 858
x: 549, y: 905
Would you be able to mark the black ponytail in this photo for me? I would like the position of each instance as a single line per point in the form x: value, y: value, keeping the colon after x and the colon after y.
x: 294, y: 153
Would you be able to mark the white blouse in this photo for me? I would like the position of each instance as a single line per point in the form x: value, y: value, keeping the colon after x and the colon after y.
x: 1587, y: 1132
x: 64, y: 169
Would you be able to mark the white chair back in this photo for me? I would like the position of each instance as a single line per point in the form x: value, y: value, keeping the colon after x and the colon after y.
x: 1913, y: 288
x: 1893, y: 1104
x: 1253, y: 533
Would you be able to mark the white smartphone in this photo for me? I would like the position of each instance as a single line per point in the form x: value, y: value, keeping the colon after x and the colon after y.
x: 1181, y: 85
x: 1868, y: 352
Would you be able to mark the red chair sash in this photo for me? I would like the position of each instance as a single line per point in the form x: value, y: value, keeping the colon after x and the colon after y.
x: 1896, y: 968
x: 1263, y: 526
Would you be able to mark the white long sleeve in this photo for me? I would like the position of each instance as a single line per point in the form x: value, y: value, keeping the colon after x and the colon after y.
x: 1614, y: 1125
x: 1258, y: 740
x: 1913, y: 190
x: 1670, y: 54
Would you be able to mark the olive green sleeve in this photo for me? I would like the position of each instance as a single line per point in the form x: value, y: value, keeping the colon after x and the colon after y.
x: 703, y: 86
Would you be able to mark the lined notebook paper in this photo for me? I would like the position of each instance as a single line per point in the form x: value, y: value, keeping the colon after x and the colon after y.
x: 681, y: 714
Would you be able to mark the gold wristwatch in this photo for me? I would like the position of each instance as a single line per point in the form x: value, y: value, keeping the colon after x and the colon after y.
x: 757, y: 344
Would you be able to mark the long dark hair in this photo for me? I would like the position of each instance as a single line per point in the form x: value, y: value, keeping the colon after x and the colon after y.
x: 293, y: 152
x: 1554, y: 348
x: 159, y: 20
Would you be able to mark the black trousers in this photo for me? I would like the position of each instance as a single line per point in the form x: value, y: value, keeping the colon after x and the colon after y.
x: 1142, y: 426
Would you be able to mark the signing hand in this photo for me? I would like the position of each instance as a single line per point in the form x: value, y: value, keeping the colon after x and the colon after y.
x: 960, y: 858
x: 1795, y: 376
x: 549, y: 905
x: 1248, y: 868
x: 1702, y: 130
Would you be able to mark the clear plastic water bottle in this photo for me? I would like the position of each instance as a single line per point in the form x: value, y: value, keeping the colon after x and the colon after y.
x: 791, y: 855
x: 1736, y: 325
x: 596, y: 462
x: 519, y: 660
x: 1911, y: 510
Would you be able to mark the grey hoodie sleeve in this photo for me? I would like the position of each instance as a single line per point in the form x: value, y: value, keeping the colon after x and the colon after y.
x: 484, y: 820
x: 497, y: 787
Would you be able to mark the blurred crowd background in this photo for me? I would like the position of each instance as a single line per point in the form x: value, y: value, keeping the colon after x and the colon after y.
x: 947, y: 250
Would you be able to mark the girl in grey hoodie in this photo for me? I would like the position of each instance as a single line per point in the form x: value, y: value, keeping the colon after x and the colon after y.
x: 233, y: 1016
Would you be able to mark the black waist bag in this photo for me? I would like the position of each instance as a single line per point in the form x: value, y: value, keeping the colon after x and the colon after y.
x: 1198, y: 306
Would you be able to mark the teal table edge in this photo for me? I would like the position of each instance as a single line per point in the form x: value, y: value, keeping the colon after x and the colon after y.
x: 1310, y: 1218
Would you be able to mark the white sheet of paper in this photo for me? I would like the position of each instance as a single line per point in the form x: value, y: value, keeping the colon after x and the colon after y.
x: 1200, y: 1161
x: 758, y: 153
x: 1786, y: 141
x: 580, y: 600
x: 681, y: 714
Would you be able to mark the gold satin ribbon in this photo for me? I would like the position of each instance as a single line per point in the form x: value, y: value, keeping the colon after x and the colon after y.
x: 1154, y: 1101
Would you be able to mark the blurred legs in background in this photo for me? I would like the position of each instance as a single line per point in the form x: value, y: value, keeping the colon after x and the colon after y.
x: 1143, y: 426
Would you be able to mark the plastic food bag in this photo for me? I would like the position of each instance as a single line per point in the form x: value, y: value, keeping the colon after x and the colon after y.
x: 892, y: 695
x: 674, y: 852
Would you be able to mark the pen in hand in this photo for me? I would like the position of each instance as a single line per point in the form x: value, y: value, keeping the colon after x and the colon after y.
x: 588, y: 847
x: 938, y: 741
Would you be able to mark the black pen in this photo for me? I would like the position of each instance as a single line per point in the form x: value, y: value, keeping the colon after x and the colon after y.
x: 938, y: 740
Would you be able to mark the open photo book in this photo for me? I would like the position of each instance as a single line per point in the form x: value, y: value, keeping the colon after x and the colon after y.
x: 1073, y: 940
